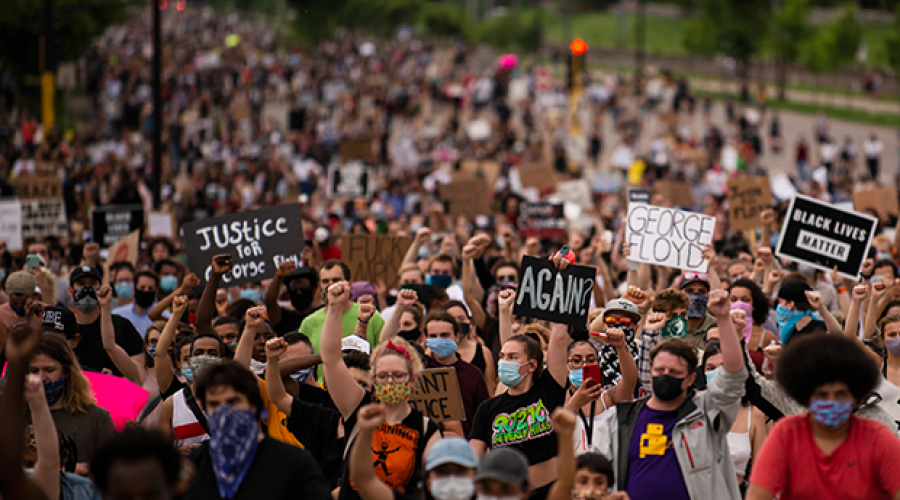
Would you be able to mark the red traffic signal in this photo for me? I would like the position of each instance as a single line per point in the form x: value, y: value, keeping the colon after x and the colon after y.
x: 578, y: 46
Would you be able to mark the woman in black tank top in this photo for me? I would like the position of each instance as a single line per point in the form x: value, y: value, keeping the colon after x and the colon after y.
x: 470, y: 349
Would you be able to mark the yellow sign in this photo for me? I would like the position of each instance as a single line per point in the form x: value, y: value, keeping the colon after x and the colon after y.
x: 48, y: 90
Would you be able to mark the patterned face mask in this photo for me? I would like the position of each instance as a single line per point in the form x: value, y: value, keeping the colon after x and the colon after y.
x: 233, y: 439
x: 392, y: 393
x: 675, y: 328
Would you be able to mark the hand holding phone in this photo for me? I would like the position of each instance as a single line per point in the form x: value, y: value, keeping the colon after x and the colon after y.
x: 592, y: 372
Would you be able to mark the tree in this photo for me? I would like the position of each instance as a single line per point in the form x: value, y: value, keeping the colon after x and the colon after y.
x: 892, y: 43
x: 790, y: 31
x: 836, y: 44
x: 733, y: 27
x: 317, y: 20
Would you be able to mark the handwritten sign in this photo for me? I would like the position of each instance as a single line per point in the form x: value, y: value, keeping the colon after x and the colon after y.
x: 467, y: 198
x: 161, y: 225
x: 11, y: 224
x: 352, y: 180
x: 538, y: 175
x: 438, y: 396
x: 748, y: 197
x: 823, y: 236
x: 668, y: 237
x: 881, y: 200
x: 359, y: 149
x: 43, y: 217
x: 577, y: 192
x: 485, y: 171
x: 542, y: 220
x: 258, y: 241
x: 680, y: 194
x: 111, y: 223
x: 559, y: 296
x: 43, y: 186
x: 124, y: 250
x: 373, y: 256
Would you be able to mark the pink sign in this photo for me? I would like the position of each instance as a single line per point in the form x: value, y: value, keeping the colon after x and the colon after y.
x: 508, y: 61
x: 123, y: 399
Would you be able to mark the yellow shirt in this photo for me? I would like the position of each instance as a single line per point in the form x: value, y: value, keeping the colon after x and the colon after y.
x: 276, y: 419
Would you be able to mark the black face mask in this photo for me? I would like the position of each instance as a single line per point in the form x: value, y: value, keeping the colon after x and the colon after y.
x: 410, y: 335
x: 301, y: 298
x: 144, y: 298
x: 667, y: 387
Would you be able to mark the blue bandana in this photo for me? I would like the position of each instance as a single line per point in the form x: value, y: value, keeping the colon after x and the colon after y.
x: 232, y: 445
x: 787, y: 321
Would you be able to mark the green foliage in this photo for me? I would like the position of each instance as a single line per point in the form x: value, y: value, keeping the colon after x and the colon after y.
x: 701, y: 35
x: 734, y: 28
x: 836, y: 44
x: 317, y: 20
x: 892, y: 43
x: 790, y: 30
x: 514, y: 30
x: 442, y: 20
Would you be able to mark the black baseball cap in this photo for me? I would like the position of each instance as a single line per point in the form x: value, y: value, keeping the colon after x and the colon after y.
x: 80, y: 271
x: 60, y: 320
x: 303, y: 272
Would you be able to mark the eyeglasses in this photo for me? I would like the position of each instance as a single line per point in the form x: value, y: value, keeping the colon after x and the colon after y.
x: 578, y: 362
x: 695, y: 276
x: 393, y: 377
x: 511, y: 278
x: 618, y: 321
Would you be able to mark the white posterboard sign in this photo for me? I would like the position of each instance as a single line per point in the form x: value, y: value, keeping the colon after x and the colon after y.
x: 11, y: 224
x: 668, y: 236
x: 577, y: 191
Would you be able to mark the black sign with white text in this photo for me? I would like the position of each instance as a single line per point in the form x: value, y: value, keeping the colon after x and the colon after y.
x: 258, y: 241
x: 542, y: 220
x: 111, y: 223
x: 822, y: 236
x: 559, y: 296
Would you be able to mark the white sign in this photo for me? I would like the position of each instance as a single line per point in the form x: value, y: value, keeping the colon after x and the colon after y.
x: 352, y: 180
x: 43, y: 217
x: 479, y: 130
x: 577, y: 191
x: 668, y: 237
x: 159, y: 224
x: 11, y: 224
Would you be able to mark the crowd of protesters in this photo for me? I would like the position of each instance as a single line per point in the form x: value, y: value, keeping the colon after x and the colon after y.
x: 761, y: 378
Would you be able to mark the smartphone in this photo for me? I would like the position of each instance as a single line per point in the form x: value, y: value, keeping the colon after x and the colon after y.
x: 33, y: 262
x: 592, y: 372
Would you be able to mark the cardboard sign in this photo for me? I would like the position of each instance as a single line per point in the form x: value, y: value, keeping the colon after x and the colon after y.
x: 437, y: 395
x: 881, y: 199
x: 485, y: 171
x: 577, y: 192
x: 353, y: 180
x: 538, y: 175
x: 373, y: 256
x: 111, y: 223
x: 44, y: 186
x: 542, y: 220
x: 11, y: 224
x: 680, y: 194
x: 359, y: 149
x: 258, y: 241
x: 668, y: 236
x: 822, y: 236
x: 124, y: 250
x: 559, y: 296
x: 467, y: 198
x: 748, y: 197
x: 43, y: 217
x: 161, y: 225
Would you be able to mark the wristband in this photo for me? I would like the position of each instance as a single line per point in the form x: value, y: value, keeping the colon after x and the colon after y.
x: 865, y: 276
x: 362, y: 322
x: 842, y: 289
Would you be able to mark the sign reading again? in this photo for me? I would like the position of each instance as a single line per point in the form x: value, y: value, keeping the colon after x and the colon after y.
x: 668, y: 237
x: 258, y: 241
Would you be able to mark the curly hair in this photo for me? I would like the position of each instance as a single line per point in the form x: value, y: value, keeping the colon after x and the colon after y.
x: 760, y: 302
x: 671, y: 299
x: 413, y: 362
x: 810, y: 361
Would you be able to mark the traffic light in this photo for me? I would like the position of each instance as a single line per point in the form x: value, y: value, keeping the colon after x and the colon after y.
x: 578, y: 47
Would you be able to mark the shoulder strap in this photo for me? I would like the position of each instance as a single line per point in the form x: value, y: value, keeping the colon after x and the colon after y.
x: 350, y: 438
x: 195, y: 408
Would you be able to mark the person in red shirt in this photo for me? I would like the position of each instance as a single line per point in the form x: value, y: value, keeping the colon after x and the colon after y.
x: 827, y: 453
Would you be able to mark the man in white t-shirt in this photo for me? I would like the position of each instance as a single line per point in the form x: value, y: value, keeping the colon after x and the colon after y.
x: 872, y: 149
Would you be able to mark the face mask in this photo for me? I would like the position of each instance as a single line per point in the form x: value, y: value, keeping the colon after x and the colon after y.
x: 830, y: 413
x: 231, y: 345
x: 697, y: 309
x: 410, y: 335
x: 86, y: 299
x: 787, y: 320
x: 465, y: 328
x: 883, y: 256
x: 54, y: 390
x: 257, y: 367
x: 441, y: 347
x: 675, y: 328
x: 709, y: 375
x: 667, y: 387
x: 423, y: 253
x: 452, y: 488
x: 251, y: 294
x: 187, y: 373
x: 414, y: 227
x: 576, y: 377
x: 302, y: 376
x: 509, y: 373
x: 392, y: 393
x: 54, y: 266
x: 168, y: 283
x: 124, y: 290
x: 301, y: 298
x: 200, y: 363
x: 440, y: 280
x: 151, y: 350
x: 233, y: 439
x: 19, y: 310
x: 144, y: 298
x: 893, y: 345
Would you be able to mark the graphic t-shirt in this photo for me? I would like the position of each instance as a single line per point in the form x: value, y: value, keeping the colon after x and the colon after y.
x: 275, y: 419
x: 653, y: 470
x: 522, y: 421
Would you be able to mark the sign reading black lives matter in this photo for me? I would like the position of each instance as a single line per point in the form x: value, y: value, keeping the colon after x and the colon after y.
x: 668, y: 237
x: 558, y: 296
x: 822, y: 236
x: 258, y: 241
x: 111, y: 223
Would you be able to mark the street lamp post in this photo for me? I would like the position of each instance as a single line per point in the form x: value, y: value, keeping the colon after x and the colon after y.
x: 157, y: 104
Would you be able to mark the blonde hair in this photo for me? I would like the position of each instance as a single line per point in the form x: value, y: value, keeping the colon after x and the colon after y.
x: 538, y: 329
x: 77, y: 396
x: 413, y: 363
x: 51, y: 284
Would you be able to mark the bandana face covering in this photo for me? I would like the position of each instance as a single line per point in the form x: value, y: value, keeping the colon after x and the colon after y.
x: 392, y: 393
x: 234, y: 438
x: 675, y: 328
x: 787, y: 320
x: 748, y: 317
x: 698, y: 306
x: 54, y: 390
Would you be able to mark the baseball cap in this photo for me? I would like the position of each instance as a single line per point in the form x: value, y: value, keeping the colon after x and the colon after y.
x: 507, y: 465
x: 355, y: 343
x: 303, y: 272
x: 60, y: 320
x: 451, y: 450
x: 794, y: 291
x: 81, y: 271
x: 20, y: 283
x: 622, y: 306
x: 689, y: 277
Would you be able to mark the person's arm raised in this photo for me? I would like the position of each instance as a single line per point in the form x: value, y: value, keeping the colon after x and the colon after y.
x: 732, y: 355
x: 275, y: 348
x: 709, y: 254
x: 423, y: 236
x: 815, y: 300
x: 221, y: 264
x: 190, y: 282
x: 505, y: 301
x: 344, y: 390
x: 162, y: 365
x: 404, y: 299
x: 46, y: 440
x: 272, y: 308
x: 362, y: 472
x: 254, y: 317
x: 564, y: 422
x: 119, y: 357
x: 625, y: 387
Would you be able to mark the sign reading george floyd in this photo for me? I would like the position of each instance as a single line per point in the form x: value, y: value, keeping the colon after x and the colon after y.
x: 822, y: 236
x: 111, y: 223
x: 548, y: 293
x: 438, y: 396
x: 668, y: 237
x: 373, y: 256
x: 258, y: 241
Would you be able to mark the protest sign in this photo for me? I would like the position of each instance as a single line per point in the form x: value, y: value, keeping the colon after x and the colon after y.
x: 161, y: 225
x: 44, y: 186
x: 124, y: 250
x: 577, y: 192
x: 467, y: 198
x: 353, y: 180
x: 538, y: 175
x: 606, y: 183
x: 373, y: 256
x: 881, y: 200
x: 542, y: 220
x: 111, y: 223
x: 485, y: 171
x: 679, y: 194
x: 822, y: 236
x: 438, y: 396
x: 748, y: 197
x: 11, y: 224
x: 668, y: 237
x: 258, y: 241
x: 43, y: 217
x: 359, y: 149
x: 559, y: 296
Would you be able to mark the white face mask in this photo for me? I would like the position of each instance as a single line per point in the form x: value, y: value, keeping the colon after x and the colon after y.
x: 452, y: 488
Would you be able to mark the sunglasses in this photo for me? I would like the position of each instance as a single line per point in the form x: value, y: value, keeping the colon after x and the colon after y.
x: 618, y: 321
x: 695, y: 276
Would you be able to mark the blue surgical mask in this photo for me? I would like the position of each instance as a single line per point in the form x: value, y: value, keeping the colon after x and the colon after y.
x: 883, y: 256
x: 187, y: 373
x: 125, y: 290
x: 576, y: 377
x: 250, y: 294
x: 423, y: 253
x: 710, y: 374
x: 441, y: 347
x: 168, y: 283
x: 440, y: 280
x: 508, y: 372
